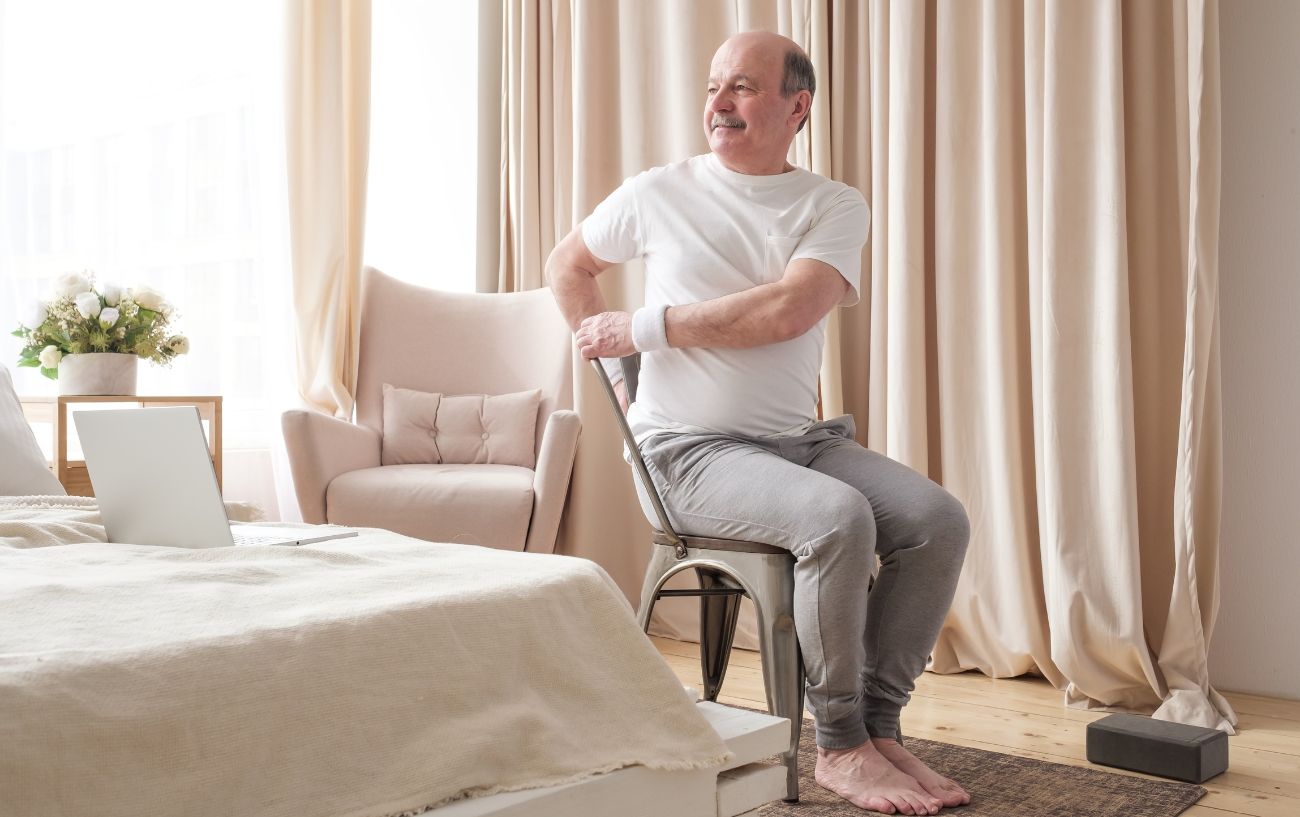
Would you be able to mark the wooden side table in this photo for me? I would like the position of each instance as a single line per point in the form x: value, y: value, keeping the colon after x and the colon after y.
x: 73, y: 474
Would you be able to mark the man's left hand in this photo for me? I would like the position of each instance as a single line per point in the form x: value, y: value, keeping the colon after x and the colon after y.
x: 608, y: 334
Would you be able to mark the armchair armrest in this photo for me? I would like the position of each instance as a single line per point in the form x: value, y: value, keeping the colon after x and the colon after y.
x: 320, y: 448
x: 551, y: 479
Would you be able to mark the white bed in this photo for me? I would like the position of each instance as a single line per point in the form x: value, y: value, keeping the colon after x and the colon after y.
x: 361, y: 677
x: 369, y: 676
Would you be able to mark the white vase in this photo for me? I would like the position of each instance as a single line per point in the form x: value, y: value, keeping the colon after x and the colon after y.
x: 97, y: 373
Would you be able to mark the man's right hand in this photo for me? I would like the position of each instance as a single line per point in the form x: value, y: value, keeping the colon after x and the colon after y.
x: 607, y: 334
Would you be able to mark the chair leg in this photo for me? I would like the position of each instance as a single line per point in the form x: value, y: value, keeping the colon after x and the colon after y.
x: 718, y: 617
x: 771, y: 590
x: 661, y: 561
x: 783, y: 674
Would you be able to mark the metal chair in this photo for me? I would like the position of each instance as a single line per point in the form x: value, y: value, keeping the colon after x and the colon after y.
x: 728, y: 569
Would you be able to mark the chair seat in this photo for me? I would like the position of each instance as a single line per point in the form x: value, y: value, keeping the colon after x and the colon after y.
x: 487, y: 505
x: 733, y: 545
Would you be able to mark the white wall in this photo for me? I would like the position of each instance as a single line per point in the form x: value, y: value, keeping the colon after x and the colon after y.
x: 1255, y: 646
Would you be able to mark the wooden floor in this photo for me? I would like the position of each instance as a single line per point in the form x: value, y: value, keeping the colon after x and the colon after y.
x: 1026, y: 717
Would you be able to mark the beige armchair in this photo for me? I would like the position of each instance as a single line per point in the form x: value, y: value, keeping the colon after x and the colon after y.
x: 452, y: 344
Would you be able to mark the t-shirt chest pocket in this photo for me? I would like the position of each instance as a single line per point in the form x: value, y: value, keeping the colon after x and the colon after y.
x: 777, y: 255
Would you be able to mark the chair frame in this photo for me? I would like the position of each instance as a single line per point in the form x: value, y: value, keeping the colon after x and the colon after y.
x: 728, y: 570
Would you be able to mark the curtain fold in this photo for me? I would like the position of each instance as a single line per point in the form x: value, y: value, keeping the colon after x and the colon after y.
x: 986, y: 360
x: 1194, y: 602
x: 527, y: 90
x: 1040, y: 329
x: 327, y: 127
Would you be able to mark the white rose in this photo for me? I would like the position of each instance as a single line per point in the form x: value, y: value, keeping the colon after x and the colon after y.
x: 70, y: 284
x: 50, y: 357
x: 112, y: 294
x: 147, y: 298
x: 180, y: 345
x: 36, y: 314
x: 88, y: 305
x: 108, y: 317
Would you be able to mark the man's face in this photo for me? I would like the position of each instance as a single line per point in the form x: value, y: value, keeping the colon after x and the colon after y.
x: 747, y: 121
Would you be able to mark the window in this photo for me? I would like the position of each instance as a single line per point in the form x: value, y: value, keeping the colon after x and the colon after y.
x: 143, y: 140
x: 421, y: 202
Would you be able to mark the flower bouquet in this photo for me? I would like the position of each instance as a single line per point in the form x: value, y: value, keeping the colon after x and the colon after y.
x: 80, y: 318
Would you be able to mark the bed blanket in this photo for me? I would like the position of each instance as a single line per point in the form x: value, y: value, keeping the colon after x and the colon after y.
x: 369, y: 676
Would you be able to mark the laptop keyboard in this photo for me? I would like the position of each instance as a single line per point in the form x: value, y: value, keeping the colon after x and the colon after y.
x: 244, y: 539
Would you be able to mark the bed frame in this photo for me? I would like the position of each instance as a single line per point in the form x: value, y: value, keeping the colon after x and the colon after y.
x: 739, y: 787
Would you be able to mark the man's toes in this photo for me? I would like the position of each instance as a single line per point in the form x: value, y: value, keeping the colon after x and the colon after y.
x: 926, y: 805
x: 895, y: 803
x: 879, y: 804
x: 947, y: 793
x: 949, y: 796
x: 916, y: 803
x: 955, y: 795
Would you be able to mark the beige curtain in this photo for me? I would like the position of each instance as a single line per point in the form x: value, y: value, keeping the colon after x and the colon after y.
x: 327, y: 132
x: 1040, y: 330
x: 518, y: 179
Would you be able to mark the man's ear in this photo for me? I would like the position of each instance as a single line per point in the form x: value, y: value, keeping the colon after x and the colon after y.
x: 802, y: 102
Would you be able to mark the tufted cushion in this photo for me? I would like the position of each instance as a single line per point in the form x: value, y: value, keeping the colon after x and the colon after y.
x: 409, y: 427
x: 25, y: 472
x: 470, y: 429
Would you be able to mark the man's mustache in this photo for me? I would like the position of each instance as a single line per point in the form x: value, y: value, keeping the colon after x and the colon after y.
x: 727, y: 122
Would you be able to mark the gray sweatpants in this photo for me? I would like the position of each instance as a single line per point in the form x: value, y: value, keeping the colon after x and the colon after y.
x: 836, y: 506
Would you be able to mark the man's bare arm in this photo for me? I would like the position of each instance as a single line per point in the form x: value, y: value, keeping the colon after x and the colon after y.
x: 768, y: 313
x: 571, y: 271
x: 765, y: 314
x: 761, y: 315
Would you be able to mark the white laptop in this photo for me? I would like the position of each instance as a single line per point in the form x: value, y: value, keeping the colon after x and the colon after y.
x: 155, y: 483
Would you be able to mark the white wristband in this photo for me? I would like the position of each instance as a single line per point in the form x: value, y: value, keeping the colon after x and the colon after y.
x: 648, y: 331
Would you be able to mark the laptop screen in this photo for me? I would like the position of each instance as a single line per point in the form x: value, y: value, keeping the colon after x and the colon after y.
x: 153, y: 476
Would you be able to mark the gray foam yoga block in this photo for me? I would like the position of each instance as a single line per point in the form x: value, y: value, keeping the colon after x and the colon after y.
x: 1174, y: 750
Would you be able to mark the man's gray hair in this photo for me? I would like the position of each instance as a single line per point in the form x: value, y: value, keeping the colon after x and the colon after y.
x: 798, y: 76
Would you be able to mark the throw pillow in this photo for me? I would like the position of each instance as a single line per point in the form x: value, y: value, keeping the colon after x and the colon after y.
x: 410, y: 423
x: 470, y: 429
x: 25, y: 472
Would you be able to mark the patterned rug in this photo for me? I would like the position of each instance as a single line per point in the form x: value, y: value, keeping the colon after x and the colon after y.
x: 1005, y: 785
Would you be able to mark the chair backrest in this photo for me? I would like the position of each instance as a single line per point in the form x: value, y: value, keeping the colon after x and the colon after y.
x: 458, y: 343
x: 631, y: 366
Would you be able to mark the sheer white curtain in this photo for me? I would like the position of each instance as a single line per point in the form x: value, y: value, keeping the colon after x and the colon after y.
x: 143, y: 140
x: 421, y: 197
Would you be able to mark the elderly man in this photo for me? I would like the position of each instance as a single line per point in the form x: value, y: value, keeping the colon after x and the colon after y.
x: 745, y: 256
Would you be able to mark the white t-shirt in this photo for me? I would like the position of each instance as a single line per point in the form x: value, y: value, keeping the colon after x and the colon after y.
x: 704, y: 232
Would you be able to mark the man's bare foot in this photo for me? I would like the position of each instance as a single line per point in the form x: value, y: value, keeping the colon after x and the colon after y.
x: 936, y: 784
x: 867, y: 779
